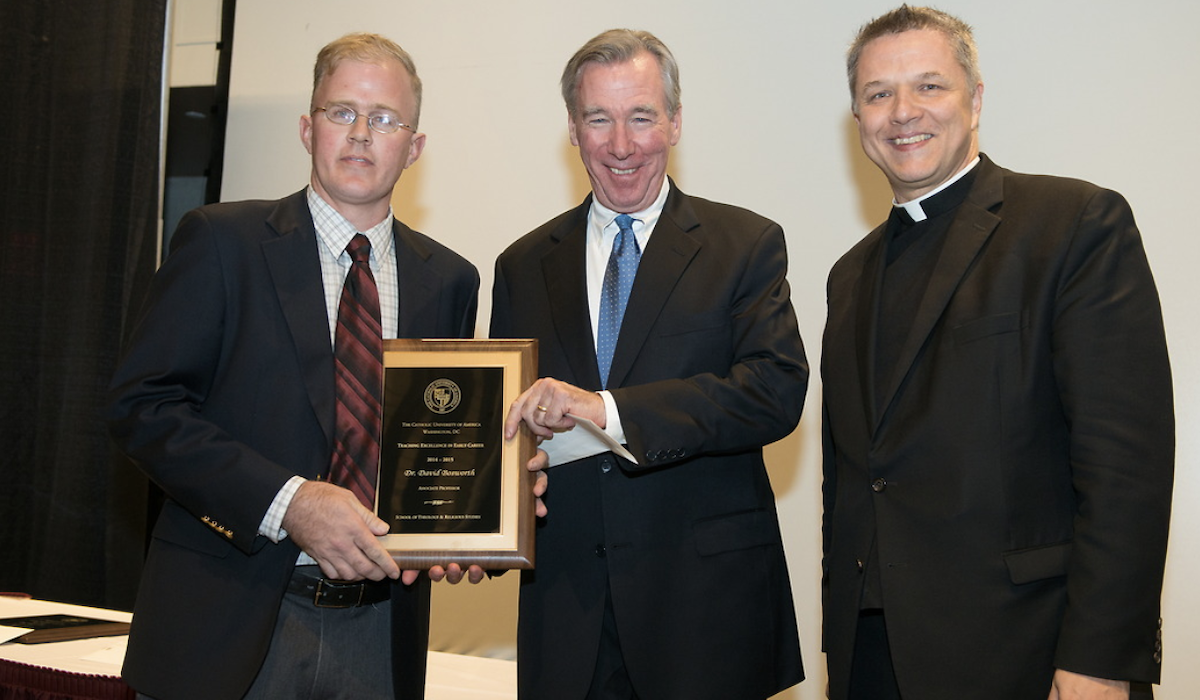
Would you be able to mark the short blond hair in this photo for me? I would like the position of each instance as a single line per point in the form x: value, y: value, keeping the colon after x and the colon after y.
x: 365, y: 48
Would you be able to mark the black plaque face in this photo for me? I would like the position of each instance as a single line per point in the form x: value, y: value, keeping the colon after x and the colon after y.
x: 440, y: 464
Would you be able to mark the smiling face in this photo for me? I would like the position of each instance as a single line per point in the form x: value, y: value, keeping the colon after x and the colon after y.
x: 917, y: 114
x: 623, y: 131
x: 354, y: 169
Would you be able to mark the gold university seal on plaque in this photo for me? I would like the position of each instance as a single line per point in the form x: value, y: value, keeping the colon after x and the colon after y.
x: 442, y: 396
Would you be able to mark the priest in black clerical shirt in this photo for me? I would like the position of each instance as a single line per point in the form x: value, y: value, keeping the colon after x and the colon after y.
x: 998, y: 417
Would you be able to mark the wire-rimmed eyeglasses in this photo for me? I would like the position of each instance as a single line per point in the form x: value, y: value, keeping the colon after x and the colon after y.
x: 383, y: 123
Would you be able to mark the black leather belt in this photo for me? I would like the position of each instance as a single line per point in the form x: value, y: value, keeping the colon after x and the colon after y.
x: 332, y: 593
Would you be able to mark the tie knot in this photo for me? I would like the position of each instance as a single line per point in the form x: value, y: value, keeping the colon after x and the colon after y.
x: 624, y: 235
x: 359, y: 248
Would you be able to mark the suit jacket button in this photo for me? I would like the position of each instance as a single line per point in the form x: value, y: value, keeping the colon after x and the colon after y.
x: 600, y: 551
x: 859, y: 562
x: 879, y: 485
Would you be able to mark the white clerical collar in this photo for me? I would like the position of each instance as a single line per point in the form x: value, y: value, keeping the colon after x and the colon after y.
x: 914, y: 208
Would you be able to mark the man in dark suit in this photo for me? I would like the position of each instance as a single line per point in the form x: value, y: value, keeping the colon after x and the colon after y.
x: 263, y: 579
x: 998, y: 421
x: 665, y: 577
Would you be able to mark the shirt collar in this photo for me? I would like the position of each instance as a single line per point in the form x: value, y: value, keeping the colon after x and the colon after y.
x: 602, y: 217
x: 335, y: 231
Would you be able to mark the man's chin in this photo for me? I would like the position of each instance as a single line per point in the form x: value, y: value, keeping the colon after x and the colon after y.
x: 627, y: 198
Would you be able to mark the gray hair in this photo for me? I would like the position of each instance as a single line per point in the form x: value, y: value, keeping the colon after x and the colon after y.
x: 619, y: 46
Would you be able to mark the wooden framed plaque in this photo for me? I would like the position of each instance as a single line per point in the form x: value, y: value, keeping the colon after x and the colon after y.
x: 450, y: 487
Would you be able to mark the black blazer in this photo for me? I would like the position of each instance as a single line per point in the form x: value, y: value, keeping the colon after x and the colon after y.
x: 226, y: 392
x: 709, y: 367
x: 1017, y: 478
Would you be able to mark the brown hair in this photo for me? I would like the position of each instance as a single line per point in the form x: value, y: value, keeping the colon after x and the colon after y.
x: 904, y: 19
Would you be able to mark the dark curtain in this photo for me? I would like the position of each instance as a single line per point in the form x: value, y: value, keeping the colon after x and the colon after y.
x: 79, y: 192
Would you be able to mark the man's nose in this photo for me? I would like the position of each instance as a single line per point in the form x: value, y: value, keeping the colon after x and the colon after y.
x: 904, y: 107
x: 360, y: 130
x: 621, y: 144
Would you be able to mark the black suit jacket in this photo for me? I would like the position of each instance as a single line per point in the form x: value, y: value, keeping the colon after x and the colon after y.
x: 1016, y: 479
x: 225, y: 392
x: 708, y: 368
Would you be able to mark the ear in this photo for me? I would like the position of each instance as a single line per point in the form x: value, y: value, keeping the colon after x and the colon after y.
x: 306, y: 127
x: 572, y: 130
x: 976, y: 105
x: 415, y: 148
x: 677, y: 125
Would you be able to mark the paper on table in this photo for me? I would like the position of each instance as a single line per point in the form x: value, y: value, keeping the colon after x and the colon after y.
x: 584, y: 440
x: 113, y: 655
x: 10, y: 633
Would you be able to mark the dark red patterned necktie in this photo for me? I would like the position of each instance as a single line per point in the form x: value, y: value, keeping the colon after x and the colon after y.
x: 358, y: 378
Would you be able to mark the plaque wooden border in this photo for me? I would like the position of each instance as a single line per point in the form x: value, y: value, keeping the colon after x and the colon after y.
x: 513, y: 546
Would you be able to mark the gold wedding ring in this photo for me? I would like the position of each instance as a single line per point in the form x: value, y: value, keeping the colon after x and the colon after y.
x: 542, y: 408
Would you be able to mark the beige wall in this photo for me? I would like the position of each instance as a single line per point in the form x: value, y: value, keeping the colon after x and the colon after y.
x: 195, y: 30
x: 1100, y: 90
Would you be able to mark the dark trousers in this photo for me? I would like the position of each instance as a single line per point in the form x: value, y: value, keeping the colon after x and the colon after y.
x: 327, y: 653
x: 871, y: 674
x: 611, y: 679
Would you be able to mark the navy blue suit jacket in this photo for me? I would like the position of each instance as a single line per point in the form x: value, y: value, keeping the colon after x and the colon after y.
x: 226, y: 391
x: 1016, y: 477
x: 708, y: 368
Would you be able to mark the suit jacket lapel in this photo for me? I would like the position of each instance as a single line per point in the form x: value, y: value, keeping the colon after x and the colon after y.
x: 870, y: 283
x: 972, y: 226
x: 563, y: 269
x: 296, y: 273
x: 673, y: 244
x: 415, y: 280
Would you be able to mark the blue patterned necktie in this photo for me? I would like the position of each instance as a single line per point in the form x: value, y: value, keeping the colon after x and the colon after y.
x: 618, y: 280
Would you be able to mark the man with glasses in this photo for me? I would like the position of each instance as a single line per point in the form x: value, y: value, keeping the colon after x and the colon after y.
x: 264, y: 579
x: 666, y: 319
